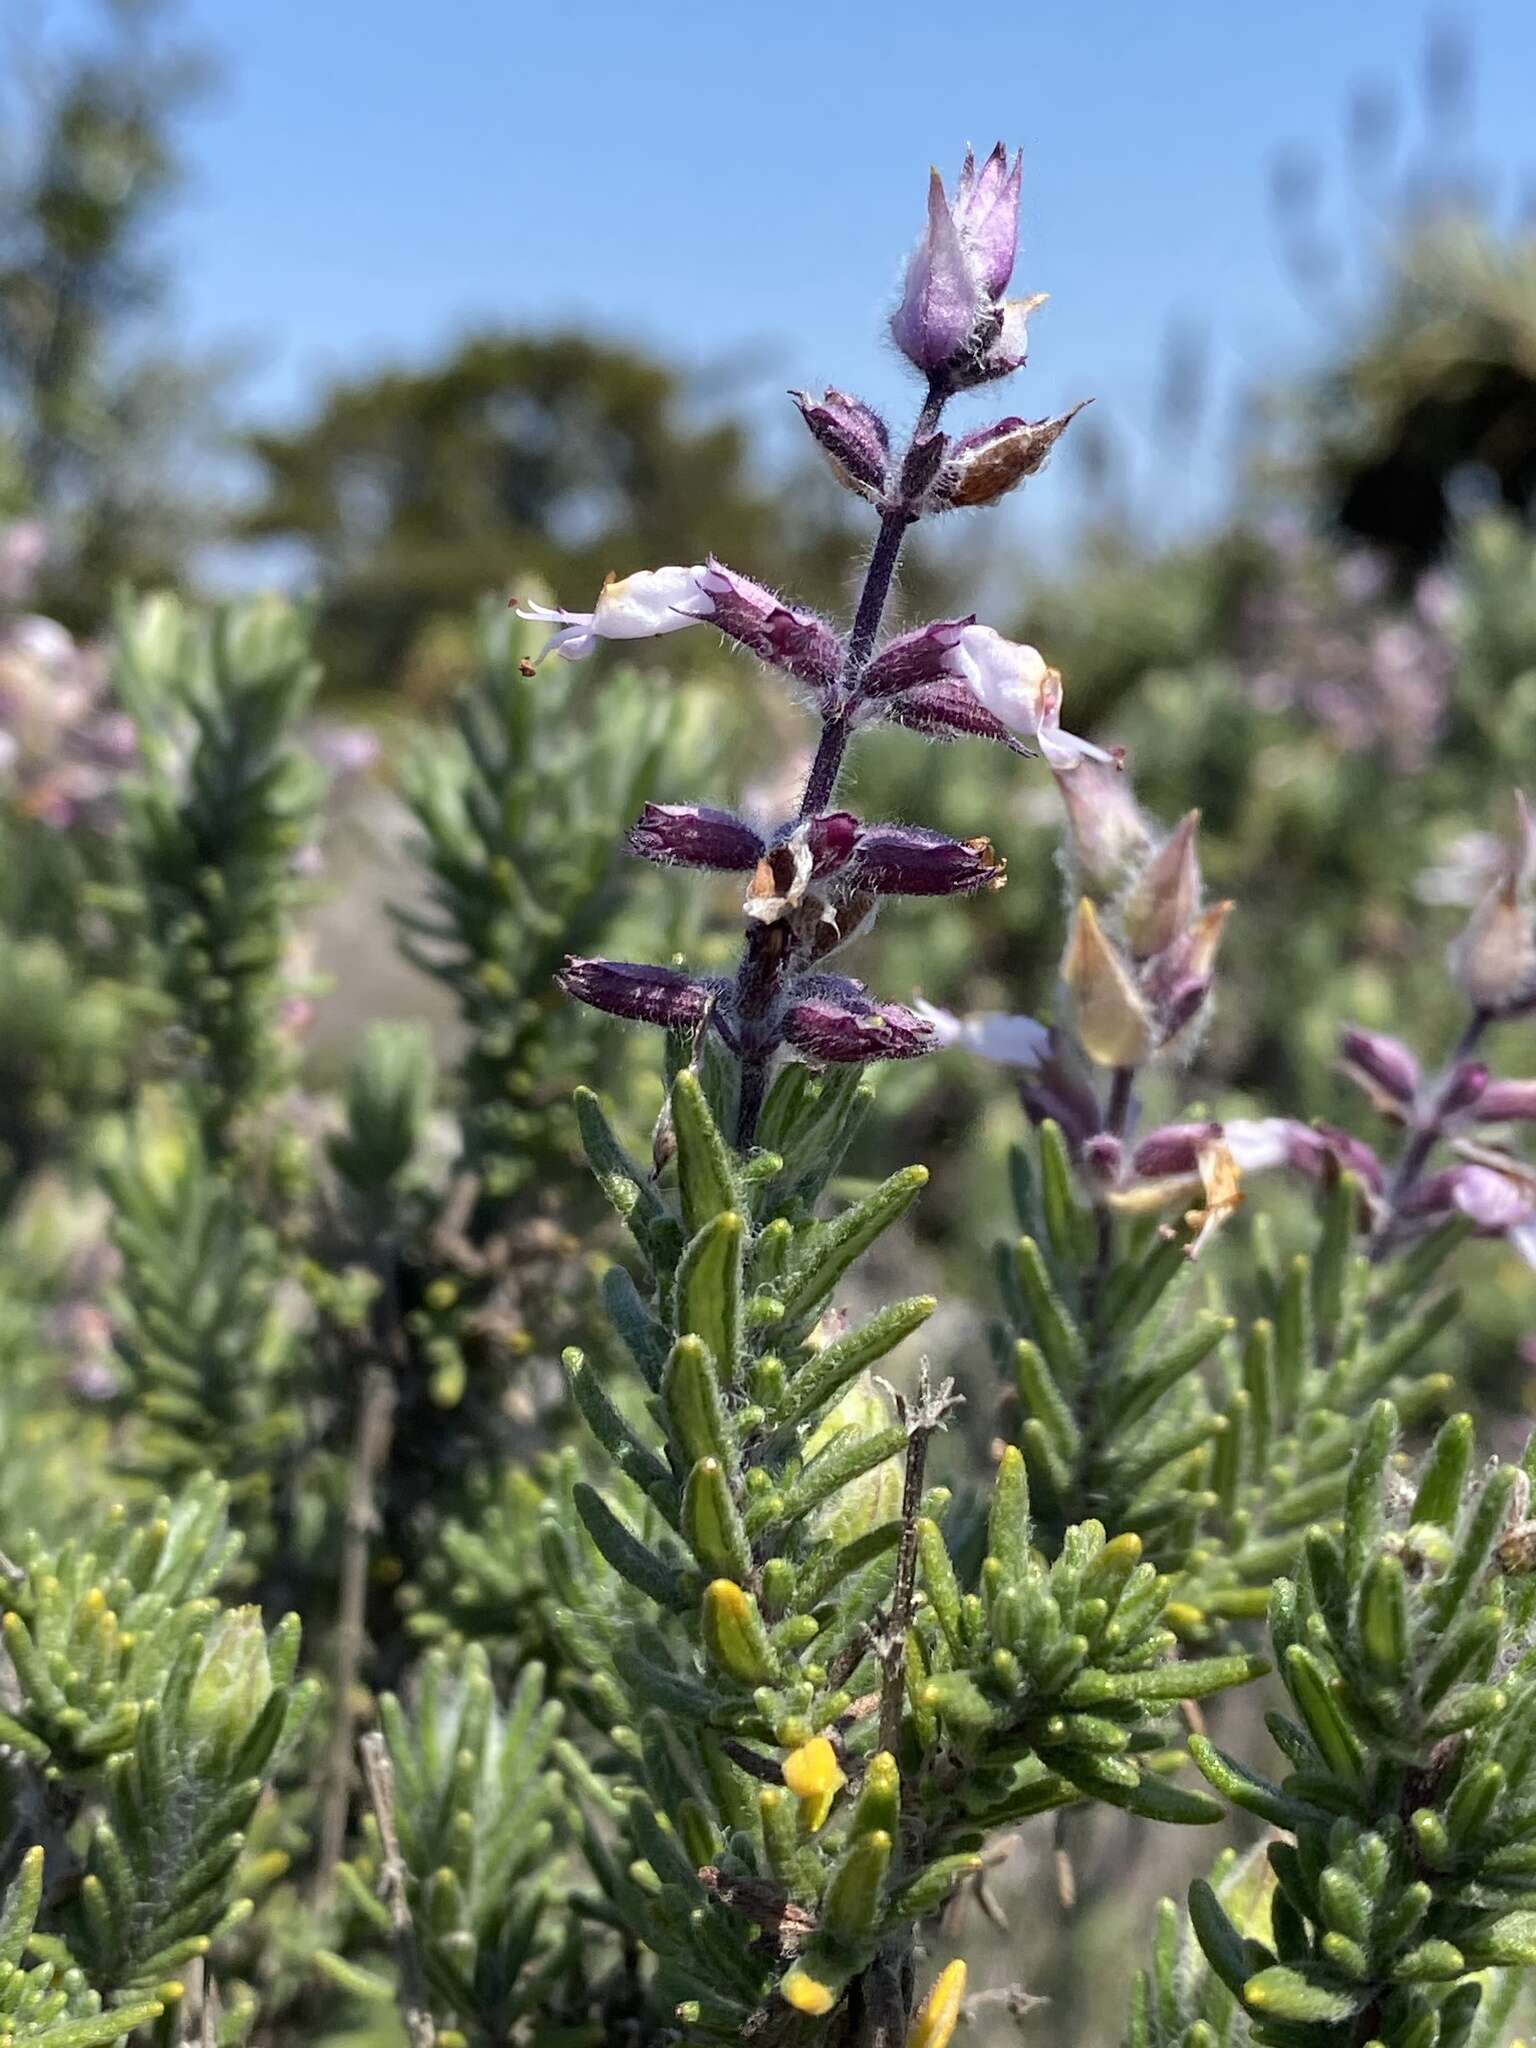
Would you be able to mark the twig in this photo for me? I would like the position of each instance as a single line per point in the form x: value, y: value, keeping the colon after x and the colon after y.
x: 370, y: 1447
x: 921, y: 1417
x: 379, y: 1777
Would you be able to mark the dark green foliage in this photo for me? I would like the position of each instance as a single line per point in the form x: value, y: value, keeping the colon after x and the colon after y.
x: 1409, y: 1858
x: 763, y: 1525
x: 223, y: 805
x: 96, y: 420
x: 148, y: 1722
x: 206, y: 1330
x: 51, y: 2004
x: 1216, y: 1444
x: 94, y: 1629
x: 477, y: 1807
x: 389, y: 1095
x: 521, y: 812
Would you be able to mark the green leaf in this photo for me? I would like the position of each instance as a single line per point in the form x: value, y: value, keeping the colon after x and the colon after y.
x: 1008, y: 1524
x: 826, y: 1372
x: 709, y: 1290
x: 705, y: 1175
x: 1053, y: 1326
x: 1311, y: 1690
x: 1228, y: 1954
x: 851, y: 1905
x: 611, y: 1430
x: 632, y: 1559
x: 1279, y: 1993
x: 1384, y: 1619
x: 690, y: 1393
x: 1244, y: 1787
x: 626, y: 1185
x: 1444, y: 1472
x: 846, y: 1237
x: 712, y: 1524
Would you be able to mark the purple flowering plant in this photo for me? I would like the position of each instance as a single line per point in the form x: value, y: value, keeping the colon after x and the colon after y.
x: 846, y: 1680
x: 816, y: 878
x: 730, y: 1673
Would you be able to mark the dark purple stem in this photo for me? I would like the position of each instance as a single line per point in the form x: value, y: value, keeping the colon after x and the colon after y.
x: 878, y: 578
x: 1122, y: 1089
x: 1416, y: 1152
x: 1117, y: 1115
x: 758, y: 977
x: 827, y: 765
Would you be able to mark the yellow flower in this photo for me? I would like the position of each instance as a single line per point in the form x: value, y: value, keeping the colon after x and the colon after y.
x: 806, y: 1993
x: 940, y: 2011
x: 814, y: 1775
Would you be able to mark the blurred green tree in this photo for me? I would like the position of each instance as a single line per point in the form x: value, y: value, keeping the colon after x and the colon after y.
x: 95, y: 412
x: 521, y: 455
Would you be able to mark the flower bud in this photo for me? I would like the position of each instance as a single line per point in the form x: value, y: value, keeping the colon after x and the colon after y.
x: 1102, y: 1158
x: 1507, y: 1102
x: 853, y: 438
x: 1166, y: 894
x: 879, y: 1804
x: 1464, y: 1089
x: 939, y: 2013
x: 922, y: 656
x: 985, y: 465
x: 812, y: 1995
x: 233, y: 1681
x: 734, y: 1635
x: 648, y: 995
x: 831, y: 839
x: 710, y: 1521
x: 850, y: 1906
x: 1107, y: 833
x: 986, y: 213
x: 695, y: 836
x: 1113, y: 1025
x: 1173, y: 1149
x: 813, y: 1773
x: 850, y: 1032
x: 1381, y: 1066
x: 943, y: 297
x: 796, y: 641
x: 910, y: 860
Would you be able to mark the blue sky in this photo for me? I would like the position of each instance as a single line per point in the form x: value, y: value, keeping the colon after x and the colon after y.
x: 738, y: 184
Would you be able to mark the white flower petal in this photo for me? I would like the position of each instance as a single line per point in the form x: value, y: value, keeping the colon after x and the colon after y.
x: 1258, y: 1143
x: 638, y: 607
x: 651, y: 601
x: 1015, y: 684
x: 996, y: 1035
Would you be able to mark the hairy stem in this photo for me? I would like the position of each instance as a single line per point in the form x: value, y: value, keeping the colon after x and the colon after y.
x: 1117, y: 1112
x: 757, y: 991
